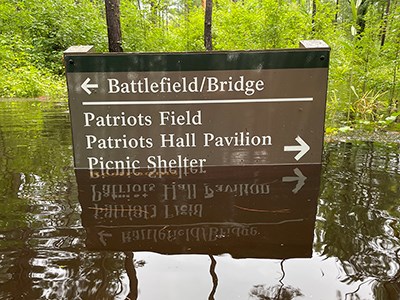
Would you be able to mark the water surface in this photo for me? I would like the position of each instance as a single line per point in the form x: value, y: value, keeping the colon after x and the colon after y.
x: 227, y: 235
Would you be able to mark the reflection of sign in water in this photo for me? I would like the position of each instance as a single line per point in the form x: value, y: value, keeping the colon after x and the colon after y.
x: 246, y: 211
x: 131, y: 111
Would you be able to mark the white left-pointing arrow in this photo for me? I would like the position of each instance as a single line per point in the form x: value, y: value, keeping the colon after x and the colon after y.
x: 86, y: 86
x: 300, y: 178
x: 302, y: 148
x: 102, y: 236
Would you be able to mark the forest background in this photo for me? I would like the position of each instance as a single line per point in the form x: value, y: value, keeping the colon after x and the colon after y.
x: 364, y: 36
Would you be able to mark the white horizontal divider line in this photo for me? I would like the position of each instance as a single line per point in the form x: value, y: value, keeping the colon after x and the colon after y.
x: 205, y: 101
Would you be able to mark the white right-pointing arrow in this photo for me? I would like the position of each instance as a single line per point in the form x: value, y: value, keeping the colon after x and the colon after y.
x: 300, y: 178
x: 86, y: 86
x: 302, y: 148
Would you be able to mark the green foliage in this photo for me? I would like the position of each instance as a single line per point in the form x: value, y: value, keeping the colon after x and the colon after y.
x: 363, y: 85
x: 365, y: 42
x: 259, y: 25
x: 19, y: 77
x: 57, y: 24
x: 33, y: 37
x: 147, y: 29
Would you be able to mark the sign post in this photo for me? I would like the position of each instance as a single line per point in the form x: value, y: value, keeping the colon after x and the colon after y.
x: 195, y: 110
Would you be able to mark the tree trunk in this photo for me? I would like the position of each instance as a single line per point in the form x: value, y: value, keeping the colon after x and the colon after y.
x: 313, y: 13
x: 214, y: 277
x: 113, y: 25
x: 385, y: 21
x: 337, y: 11
x: 393, y: 94
x: 207, y: 26
x: 361, y: 13
x: 131, y: 272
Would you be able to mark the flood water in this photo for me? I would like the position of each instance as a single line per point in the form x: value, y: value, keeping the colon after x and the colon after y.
x: 305, y: 232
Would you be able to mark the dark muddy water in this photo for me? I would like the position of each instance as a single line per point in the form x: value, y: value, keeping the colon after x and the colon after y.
x: 305, y: 232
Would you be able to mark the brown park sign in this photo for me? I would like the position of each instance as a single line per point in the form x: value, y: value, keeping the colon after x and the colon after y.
x: 195, y: 110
